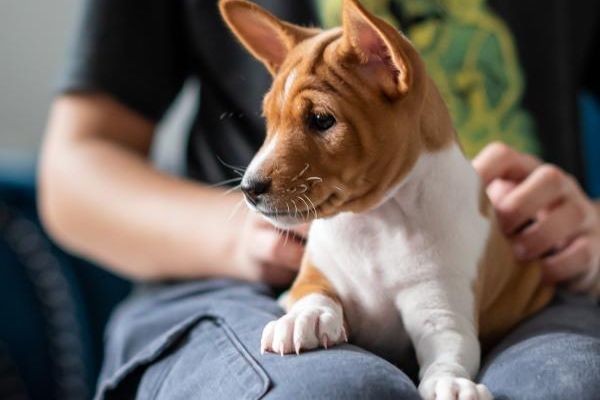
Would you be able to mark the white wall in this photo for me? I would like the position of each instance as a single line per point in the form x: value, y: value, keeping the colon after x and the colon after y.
x: 34, y: 35
x: 34, y: 39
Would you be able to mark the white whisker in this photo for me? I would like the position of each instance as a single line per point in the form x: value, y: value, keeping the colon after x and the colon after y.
x: 313, y: 206
x: 295, y: 208
x: 307, y: 206
x: 304, y: 189
x: 246, y: 220
x: 314, y: 178
x: 287, y: 236
x: 304, y: 170
x: 231, y: 190
x: 236, y: 208
x: 287, y: 232
x: 301, y: 172
x: 233, y: 167
x: 272, y: 210
x: 223, y: 183
x: 339, y: 188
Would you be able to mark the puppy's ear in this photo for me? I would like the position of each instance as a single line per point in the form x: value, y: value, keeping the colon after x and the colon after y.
x: 264, y: 35
x: 377, y: 46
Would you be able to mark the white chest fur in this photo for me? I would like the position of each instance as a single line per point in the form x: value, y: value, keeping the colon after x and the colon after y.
x: 429, y: 229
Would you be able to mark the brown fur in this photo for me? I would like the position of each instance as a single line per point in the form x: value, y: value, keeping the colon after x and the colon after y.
x: 310, y: 280
x: 388, y: 113
x: 330, y: 77
x: 508, y: 291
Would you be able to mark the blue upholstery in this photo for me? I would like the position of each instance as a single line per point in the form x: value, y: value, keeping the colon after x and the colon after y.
x: 54, y: 306
x: 590, y: 117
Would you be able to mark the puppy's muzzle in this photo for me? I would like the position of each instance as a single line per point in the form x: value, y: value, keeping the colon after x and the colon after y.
x: 255, y: 189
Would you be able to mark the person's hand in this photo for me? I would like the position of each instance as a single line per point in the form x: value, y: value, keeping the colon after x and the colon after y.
x: 265, y: 253
x: 545, y: 214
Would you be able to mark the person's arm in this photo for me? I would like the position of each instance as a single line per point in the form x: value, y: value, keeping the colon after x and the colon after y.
x: 545, y: 214
x: 101, y: 198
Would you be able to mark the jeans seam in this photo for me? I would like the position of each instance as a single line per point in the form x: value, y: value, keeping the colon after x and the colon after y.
x: 164, y: 372
x: 236, y: 343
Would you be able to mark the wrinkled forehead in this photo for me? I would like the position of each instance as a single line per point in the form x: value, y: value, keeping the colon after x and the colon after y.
x: 301, y: 64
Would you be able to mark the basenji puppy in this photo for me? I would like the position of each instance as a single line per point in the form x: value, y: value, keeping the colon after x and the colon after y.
x: 404, y: 248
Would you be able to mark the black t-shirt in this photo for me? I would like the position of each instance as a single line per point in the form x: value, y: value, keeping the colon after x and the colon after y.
x: 559, y: 47
x: 141, y: 54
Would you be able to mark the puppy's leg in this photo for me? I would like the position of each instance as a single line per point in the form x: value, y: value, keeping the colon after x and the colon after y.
x: 314, y: 317
x: 439, y: 316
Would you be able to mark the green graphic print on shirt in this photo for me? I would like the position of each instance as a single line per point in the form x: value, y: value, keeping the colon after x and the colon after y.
x: 471, y: 56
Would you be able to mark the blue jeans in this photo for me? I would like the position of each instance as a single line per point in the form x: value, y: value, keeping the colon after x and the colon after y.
x: 200, y: 340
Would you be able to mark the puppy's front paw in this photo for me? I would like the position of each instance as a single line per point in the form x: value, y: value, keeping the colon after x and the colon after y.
x: 313, y: 321
x: 452, y: 388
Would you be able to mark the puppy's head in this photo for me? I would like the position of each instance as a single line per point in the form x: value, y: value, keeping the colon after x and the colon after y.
x: 345, y: 114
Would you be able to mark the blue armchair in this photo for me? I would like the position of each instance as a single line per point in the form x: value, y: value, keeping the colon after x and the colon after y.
x: 53, y: 306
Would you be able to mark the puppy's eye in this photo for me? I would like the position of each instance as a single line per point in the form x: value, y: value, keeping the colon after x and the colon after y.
x: 320, y: 122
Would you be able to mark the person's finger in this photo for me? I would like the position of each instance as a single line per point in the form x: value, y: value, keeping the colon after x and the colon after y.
x: 271, y: 247
x: 588, y: 281
x: 568, y: 263
x: 555, y: 228
x: 498, y: 189
x: 499, y: 161
x: 277, y: 276
x: 543, y: 187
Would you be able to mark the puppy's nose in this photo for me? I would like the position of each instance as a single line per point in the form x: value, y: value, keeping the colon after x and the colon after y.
x: 254, y: 188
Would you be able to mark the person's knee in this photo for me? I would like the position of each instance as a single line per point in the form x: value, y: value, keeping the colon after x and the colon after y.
x: 346, y: 375
x: 561, y: 366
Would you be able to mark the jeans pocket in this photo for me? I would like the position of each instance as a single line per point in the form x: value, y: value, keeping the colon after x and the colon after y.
x: 208, y: 362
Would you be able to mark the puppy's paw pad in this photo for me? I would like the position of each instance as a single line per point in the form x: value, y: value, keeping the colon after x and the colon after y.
x: 452, y: 388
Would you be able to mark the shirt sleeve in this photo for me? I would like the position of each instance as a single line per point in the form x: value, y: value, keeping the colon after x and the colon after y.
x: 130, y: 49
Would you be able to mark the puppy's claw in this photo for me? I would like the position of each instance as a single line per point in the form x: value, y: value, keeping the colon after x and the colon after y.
x: 311, y: 323
x: 266, y: 341
x: 325, y: 341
